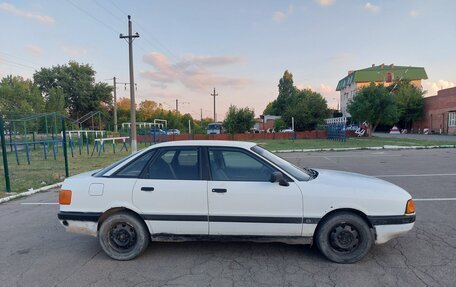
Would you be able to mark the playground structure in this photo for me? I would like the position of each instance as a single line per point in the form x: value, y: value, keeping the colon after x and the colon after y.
x: 148, y: 132
x: 335, y: 129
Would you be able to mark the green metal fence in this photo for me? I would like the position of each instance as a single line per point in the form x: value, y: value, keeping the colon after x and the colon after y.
x: 39, y: 150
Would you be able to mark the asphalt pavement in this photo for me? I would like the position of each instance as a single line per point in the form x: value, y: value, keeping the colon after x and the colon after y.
x: 434, y: 137
x: 36, y: 250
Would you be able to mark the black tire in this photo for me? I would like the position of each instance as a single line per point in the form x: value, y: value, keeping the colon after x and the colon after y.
x: 344, y: 237
x: 123, y: 236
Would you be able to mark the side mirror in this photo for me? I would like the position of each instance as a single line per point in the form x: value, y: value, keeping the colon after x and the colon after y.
x: 277, y: 176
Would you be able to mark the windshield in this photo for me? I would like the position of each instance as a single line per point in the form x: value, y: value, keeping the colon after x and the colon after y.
x: 214, y: 126
x: 296, y: 172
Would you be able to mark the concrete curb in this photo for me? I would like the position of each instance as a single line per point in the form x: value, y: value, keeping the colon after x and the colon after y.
x: 30, y: 192
x: 386, y: 147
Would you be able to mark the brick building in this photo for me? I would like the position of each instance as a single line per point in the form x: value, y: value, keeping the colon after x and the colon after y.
x: 439, y: 113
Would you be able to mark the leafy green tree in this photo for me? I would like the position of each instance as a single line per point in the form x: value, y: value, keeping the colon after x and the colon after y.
x: 279, y: 125
x: 287, y: 91
x: 374, y: 104
x: 77, y: 81
x: 410, y: 102
x: 55, y: 101
x: 19, y: 96
x: 308, y: 109
x: 239, y: 120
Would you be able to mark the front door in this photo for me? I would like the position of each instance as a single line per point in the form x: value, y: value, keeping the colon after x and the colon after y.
x: 242, y: 200
x: 171, y: 193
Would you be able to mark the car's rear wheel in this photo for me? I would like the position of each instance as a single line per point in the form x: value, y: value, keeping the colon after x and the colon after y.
x: 344, y: 237
x: 123, y: 236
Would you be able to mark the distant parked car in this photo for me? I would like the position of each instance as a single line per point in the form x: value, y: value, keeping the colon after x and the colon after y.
x: 254, y: 131
x: 287, y: 131
x: 352, y: 127
x: 157, y: 131
x: 173, y: 132
x: 215, y: 129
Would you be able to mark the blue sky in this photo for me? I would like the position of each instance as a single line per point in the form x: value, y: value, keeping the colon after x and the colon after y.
x: 242, y: 48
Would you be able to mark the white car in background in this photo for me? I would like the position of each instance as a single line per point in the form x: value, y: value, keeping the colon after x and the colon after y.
x: 227, y: 190
x: 173, y: 132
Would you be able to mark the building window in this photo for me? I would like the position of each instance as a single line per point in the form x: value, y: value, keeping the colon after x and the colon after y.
x: 452, y: 119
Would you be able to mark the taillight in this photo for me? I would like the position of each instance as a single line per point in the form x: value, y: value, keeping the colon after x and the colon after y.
x: 65, y: 197
x: 410, y: 207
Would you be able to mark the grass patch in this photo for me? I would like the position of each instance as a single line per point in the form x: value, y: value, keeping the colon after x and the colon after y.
x: 350, y: 143
x: 42, y: 172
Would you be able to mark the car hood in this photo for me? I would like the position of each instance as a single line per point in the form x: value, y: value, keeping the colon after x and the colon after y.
x: 355, y: 183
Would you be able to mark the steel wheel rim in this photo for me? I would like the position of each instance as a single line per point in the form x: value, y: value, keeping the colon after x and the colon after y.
x: 344, y: 238
x: 122, y: 237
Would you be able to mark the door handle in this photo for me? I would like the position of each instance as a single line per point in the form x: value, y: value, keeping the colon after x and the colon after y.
x: 147, y: 188
x: 219, y: 190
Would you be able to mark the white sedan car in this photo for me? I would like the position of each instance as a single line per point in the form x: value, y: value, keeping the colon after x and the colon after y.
x: 226, y: 190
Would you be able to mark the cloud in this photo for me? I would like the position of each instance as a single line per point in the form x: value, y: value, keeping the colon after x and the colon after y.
x: 75, y: 51
x: 34, y: 50
x: 325, y: 3
x: 414, y: 13
x: 372, y: 8
x: 9, y: 8
x: 433, y: 87
x: 280, y: 16
x: 212, y: 60
x: 192, y: 71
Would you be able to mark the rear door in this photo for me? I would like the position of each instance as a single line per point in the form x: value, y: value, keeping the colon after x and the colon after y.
x: 172, y: 194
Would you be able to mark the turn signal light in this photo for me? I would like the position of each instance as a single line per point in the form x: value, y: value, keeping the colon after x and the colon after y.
x: 410, y: 207
x: 65, y: 197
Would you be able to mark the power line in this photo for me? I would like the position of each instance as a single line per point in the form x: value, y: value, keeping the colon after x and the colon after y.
x: 179, y: 65
x: 93, y: 17
x: 19, y: 58
x: 107, y: 10
x: 5, y: 61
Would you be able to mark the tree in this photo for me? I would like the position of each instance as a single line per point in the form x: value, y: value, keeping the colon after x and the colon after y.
x: 77, y: 81
x: 147, y: 109
x: 286, y: 92
x: 308, y: 109
x: 239, y: 120
x: 55, y: 101
x: 374, y: 104
x: 19, y: 96
x: 279, y: 125
x: 410, y: 102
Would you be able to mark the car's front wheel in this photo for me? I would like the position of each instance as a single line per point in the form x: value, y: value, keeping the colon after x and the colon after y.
x: 123, y: 236
x: 344, y: 237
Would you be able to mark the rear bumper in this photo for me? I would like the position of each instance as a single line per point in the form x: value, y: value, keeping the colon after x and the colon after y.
x: 80, y: 222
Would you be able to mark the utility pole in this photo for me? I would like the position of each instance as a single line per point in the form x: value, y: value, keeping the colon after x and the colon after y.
x: 201, y: 117
x: 115, y: 105
x: 130, y: 38
x: 215, y: 115
x: 177, y: 106
x: 115, y: 99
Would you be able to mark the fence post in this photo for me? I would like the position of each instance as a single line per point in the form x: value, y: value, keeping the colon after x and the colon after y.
x: 65, y: 154
x: 5, y: 159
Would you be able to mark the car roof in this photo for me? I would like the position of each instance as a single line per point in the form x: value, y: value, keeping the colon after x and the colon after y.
x: 241, y: 144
